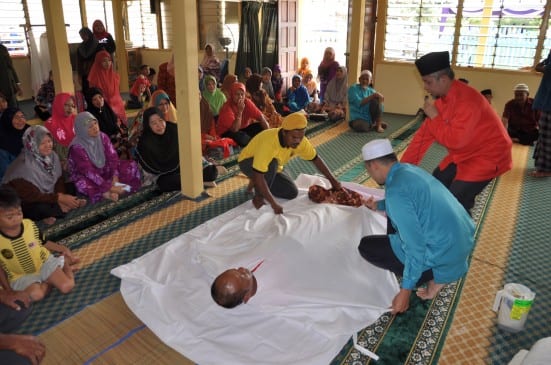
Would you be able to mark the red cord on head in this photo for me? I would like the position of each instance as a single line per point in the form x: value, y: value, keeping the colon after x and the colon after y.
x: 257, y: 266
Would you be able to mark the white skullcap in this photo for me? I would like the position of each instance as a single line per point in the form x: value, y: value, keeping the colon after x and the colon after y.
x: 376, y: 148
x: 366, y: 72
x: 521, y: 87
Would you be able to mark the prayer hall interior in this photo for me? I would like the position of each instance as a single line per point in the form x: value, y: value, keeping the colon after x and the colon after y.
x: 94, y: 324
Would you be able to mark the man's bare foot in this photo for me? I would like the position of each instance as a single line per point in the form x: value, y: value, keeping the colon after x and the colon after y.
x: 258, y: 201
x: 430, y: 291
x: 49, y: 221
x: 111, y: 196
x: 380, y: 130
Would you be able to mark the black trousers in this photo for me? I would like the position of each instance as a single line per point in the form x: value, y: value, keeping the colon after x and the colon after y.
x: 243, y: 136
x: 375, y: 110
x: 376, y: 249
x: 10, y: 320
x: 464, y: 191
x: 280, y: 185
x: 171, y: 182
x: 524, y: 138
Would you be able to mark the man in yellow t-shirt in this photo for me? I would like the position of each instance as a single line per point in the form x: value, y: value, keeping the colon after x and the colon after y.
x: 263, y: 159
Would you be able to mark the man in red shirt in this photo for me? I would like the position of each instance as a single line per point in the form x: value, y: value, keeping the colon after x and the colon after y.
x: 460, y: 119
x: 520, y: 120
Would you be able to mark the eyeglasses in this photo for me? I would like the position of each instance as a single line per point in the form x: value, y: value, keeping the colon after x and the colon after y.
x: 70, y: 105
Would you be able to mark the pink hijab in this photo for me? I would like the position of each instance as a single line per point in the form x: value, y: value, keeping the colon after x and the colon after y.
x: 60, y: 125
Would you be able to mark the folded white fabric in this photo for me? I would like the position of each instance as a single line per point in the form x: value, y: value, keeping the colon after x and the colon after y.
x: 539, y: 354
x: 314, y: 289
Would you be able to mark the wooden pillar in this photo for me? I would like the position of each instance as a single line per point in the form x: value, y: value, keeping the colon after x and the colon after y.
x: 356, y: 41
x: 58, y: 46
x: 121, y: 56
x: 187, y: 93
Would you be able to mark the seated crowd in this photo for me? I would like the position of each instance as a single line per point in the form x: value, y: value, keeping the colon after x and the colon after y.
x: 82, y: 156
x: 87, y: 153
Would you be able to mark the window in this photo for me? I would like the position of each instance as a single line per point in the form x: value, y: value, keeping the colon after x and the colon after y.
x: 142, y: 24
x: 500, y: 34
x: 219, y: 25
x: 102, y: 10
x: 166, y: 23
x: 12, y: 35
x: 416, y: 27
x: 12, y: 19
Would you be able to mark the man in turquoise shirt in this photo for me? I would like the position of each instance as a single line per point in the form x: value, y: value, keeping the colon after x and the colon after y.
x: 429, y: 236
x: 365, y: 105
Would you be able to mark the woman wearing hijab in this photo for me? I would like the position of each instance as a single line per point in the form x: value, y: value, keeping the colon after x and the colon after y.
x: 36, y: 176
x: 94, y: 166
x: 336, y: 95
x: 139, y: 93
x: 297, y: 95
x: 104, y: 39
x: 304, y: 67
x: 165, y: 79
x: 267, y: 82
x: 327, y: 70
x: 109, y: 122
x: 61, y: 124
x: 229, y: 80
x: 262, y: 101
x: 213, y: 95
x: 239, y: 118
x: 105, y: 78
x: 211, y: 63
x: 158, y: 154
x: 12, y: 126
x: 311, y: 85
x: 277, y: 83
x: 161, y: 100
x: 85, y: 55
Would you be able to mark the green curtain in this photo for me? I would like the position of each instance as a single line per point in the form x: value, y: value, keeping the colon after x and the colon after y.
x: 249, y: 50
x: 269, y: 35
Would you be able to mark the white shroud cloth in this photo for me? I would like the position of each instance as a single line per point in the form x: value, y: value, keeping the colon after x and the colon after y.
x: 314, y: 288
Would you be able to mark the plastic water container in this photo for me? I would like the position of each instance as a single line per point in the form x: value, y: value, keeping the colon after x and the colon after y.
x: 513, y: 304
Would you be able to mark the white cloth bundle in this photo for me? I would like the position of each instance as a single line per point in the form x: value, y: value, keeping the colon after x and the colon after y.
x: 314, y: 288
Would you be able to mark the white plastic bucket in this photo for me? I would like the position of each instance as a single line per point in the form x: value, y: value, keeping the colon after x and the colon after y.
x: 513, y: 303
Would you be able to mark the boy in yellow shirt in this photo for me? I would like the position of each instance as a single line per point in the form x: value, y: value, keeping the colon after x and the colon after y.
x: 26, y: 261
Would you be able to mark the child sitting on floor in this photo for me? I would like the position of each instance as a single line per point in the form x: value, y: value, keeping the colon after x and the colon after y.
x: 139, y: 93
x: 26, y: 261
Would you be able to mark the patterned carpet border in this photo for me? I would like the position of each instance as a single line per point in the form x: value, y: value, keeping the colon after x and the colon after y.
x: 134, y: 213
x: 89, y: 212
